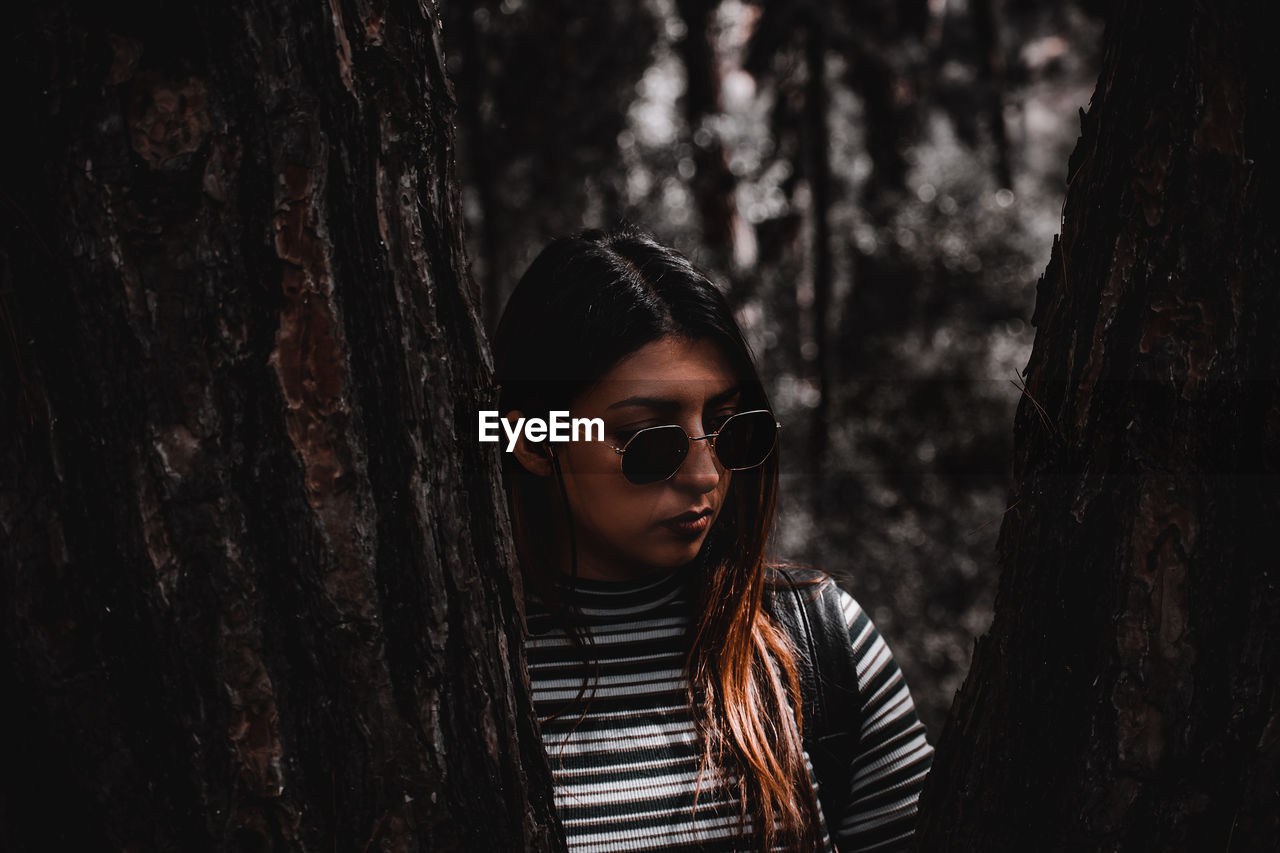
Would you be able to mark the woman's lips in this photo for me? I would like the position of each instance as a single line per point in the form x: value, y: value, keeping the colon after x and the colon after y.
x: 690, y: 524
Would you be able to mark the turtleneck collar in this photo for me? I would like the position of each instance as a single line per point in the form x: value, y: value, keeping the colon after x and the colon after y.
x: 610, y: 599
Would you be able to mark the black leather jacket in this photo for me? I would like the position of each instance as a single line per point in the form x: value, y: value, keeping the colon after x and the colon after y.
x: 807, y: 604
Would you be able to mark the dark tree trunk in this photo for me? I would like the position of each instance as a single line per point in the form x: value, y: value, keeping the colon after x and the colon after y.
x: 258, y: 591
x: 986, y: 24
x: 713, y: 183
x: 1126, y: 696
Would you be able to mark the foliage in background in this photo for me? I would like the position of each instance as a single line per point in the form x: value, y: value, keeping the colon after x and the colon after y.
x: 875, y: 184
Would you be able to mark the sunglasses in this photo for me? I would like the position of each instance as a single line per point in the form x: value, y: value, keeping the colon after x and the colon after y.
x: 654, y: 454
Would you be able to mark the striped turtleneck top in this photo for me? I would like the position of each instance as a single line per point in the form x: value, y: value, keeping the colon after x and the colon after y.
x: 626, y: 771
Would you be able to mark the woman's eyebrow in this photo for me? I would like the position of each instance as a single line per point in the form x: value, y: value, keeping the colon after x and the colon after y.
x: 725, y: 396
x: 666, y: 403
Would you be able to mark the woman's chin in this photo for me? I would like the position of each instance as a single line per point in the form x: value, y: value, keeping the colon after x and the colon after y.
x: 673, y: 555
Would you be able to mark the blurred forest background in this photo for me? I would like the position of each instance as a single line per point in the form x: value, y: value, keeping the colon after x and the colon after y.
x: 875, y: 184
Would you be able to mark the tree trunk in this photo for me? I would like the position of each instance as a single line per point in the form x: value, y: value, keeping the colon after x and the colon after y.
x: 1126, y: 696
x: 713, y: 183
x: 991, y: 85
x: 258, y: 584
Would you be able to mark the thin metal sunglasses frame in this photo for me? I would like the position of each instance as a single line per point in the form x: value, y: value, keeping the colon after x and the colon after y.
x: 692, y: 438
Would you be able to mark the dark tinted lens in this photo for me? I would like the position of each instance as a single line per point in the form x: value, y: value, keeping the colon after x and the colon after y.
x: 746, y: 439
x: 654, y: 454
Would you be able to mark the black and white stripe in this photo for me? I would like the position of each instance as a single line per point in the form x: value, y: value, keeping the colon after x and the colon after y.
x: 626, y: 770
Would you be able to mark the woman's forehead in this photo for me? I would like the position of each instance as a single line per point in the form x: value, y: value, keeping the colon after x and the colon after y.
x: 667, y: 369
x: 664, y: 374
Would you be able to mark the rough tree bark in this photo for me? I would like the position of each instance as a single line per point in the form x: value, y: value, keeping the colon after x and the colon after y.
x: 1126, y: 696
x: 258, y: 591
x: 713, y: 182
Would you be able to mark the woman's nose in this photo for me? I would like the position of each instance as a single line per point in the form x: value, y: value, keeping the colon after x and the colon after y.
x: 701, y: 470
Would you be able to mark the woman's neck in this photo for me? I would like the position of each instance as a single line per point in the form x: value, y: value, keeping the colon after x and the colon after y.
x: 592, y: 565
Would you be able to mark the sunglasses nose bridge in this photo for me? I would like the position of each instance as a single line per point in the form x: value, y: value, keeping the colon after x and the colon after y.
x: 694, y: 466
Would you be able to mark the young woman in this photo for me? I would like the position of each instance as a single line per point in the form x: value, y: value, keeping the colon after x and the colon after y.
x: 690, y: 694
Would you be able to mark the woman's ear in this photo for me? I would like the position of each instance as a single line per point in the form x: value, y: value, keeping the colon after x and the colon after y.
x: 533, y: 457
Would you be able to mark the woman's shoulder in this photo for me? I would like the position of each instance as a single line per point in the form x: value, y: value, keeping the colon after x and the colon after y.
x: 794, y: 573
x: 785, y: 576
x: 815, y: 587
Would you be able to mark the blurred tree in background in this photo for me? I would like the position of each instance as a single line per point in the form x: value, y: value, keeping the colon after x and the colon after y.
x: 875, y: 184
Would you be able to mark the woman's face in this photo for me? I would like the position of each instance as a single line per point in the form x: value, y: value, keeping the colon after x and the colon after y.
x: 624, y: 530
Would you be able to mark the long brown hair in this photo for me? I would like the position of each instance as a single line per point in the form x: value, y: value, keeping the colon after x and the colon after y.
x: 585, y: 303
